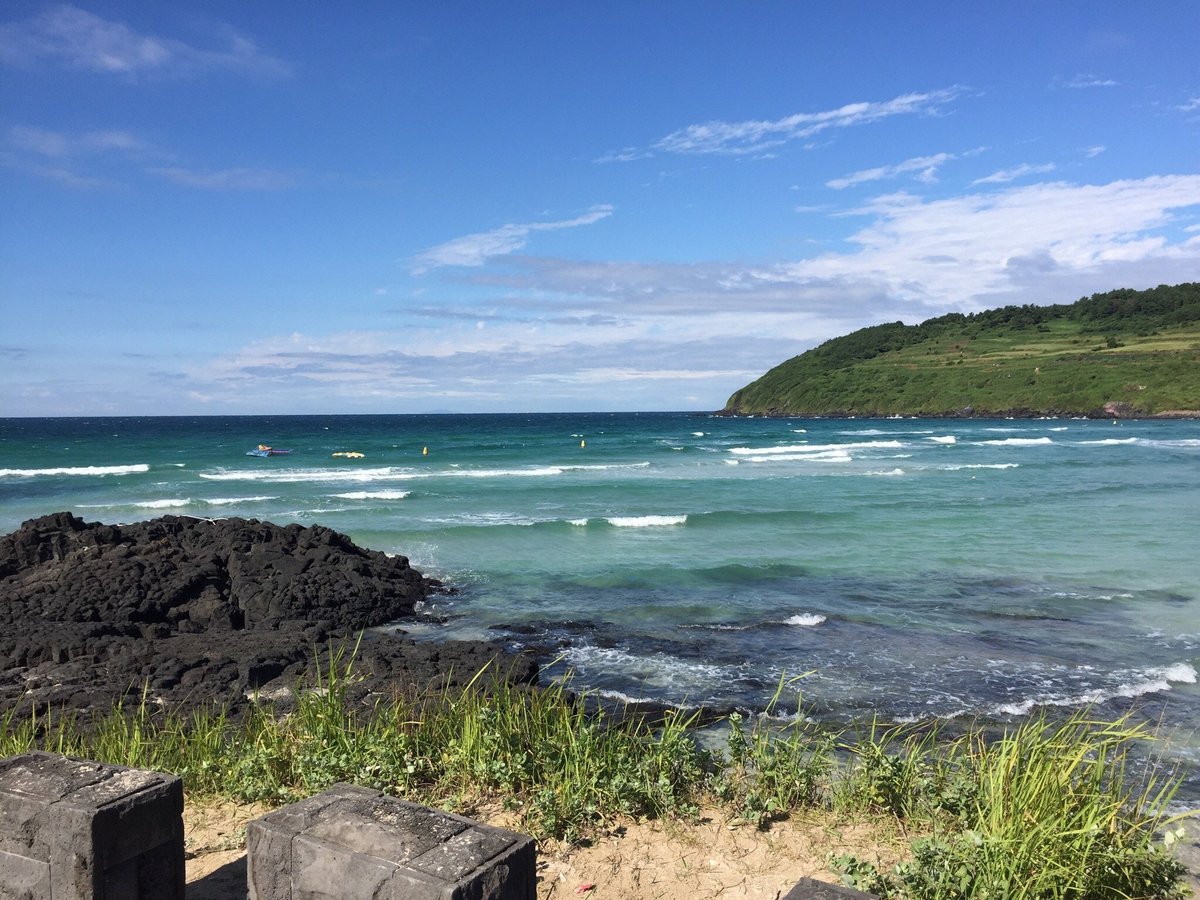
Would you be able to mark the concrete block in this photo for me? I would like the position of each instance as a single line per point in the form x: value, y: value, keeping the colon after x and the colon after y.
x: 351, y: 843
x: 811, y: 889
x: 71, y: 829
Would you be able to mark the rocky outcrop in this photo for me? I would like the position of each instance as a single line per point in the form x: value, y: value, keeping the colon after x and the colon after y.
x: 194, y: 611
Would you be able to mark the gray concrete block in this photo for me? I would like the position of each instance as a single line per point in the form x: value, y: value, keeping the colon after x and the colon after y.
x: 72, y: 829
x: 811, y: 889
x: 352, y: 843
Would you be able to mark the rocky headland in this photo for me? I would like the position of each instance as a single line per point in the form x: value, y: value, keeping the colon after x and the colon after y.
x: 195, y: 612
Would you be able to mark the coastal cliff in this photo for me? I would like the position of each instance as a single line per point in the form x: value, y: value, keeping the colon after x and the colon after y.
x: 1123, y: 353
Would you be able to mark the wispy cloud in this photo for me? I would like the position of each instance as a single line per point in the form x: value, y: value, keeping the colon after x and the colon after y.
x: 43, y: 142
x: 757, y: 137
x: 1094, y: 151
x: 1190, y: 106
x: 627, y: 155
x: 1087, y: 81
x: 476, y: 249
x: 71, y: 159
x: 80, y: 39
x: 1003, y: 176
x: 926, y: 168
x: 234, y: 179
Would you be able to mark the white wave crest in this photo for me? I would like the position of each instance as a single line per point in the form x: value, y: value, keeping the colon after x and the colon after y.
x: 1019, y: 442
x: 944, y: 439
x: 577, y: 522
x: 1173, y: 444
x: 298, y: 476
x: 229, y: 501
x: 374, y: 495
x: 173, y: 503
x: 805, y: 620
x: 955, y: 468
x: 75, y: 470
x: 645, y: 521
x: 1108, y: 442
x: 817, y: 448
x: 834, y: 456
x: 888, y: 473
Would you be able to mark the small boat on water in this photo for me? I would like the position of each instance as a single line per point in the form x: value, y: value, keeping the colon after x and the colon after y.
x: 264, y: 450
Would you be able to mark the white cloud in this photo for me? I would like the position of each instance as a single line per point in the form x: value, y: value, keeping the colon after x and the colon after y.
x: 476, y: 249
x: 235, y: 179
x: 1020, y: 242
x: 83, y: 40
x: 1094, y: 151
x: 756, y: 136
x: 926, y: 168
x: 1003, y: 176
x: 1190, y: 106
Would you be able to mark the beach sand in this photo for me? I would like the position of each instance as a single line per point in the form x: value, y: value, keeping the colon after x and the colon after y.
x: 633, y: 860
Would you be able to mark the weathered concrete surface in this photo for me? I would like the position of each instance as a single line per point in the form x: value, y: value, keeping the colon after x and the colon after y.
x: 72, y: 829
x: 353, y: 843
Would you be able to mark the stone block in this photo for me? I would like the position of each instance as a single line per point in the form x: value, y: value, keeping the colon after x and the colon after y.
x: 351, y: 843
x: 811, y: 889
x: 71, y: 829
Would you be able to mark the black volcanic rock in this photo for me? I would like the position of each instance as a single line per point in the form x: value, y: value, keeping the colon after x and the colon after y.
x: 194, y: 611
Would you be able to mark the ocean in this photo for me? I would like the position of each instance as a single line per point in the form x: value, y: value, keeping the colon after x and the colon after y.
x: 914, y: 569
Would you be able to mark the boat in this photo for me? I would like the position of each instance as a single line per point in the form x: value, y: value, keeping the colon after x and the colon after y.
x: 264, y: 450
x: 349, y: 454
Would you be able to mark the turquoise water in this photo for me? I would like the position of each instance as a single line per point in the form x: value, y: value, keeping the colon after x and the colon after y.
x: 918, y: 568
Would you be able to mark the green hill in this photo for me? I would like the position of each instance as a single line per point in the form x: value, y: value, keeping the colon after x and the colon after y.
x: 1120, y: 353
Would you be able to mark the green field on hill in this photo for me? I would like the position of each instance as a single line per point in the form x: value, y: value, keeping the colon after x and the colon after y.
x: 1120, y: 353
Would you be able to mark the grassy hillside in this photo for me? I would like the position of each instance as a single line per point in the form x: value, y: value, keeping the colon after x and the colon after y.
x: 1124, y: 352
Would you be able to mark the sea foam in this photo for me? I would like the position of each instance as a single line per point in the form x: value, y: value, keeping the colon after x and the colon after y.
x: 1150, y: 681
x: 75, y: 470
x: 645, y: 521
x: 805, y: 620
x: 172, y: 503
x: 374, y: 495
x: 1018, y: 442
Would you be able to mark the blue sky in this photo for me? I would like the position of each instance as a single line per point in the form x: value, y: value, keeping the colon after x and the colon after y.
x: 269, y: 207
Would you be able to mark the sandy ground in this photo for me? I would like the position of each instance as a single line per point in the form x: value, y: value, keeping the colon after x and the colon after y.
x: 633, y: 861
x: 637, y: 860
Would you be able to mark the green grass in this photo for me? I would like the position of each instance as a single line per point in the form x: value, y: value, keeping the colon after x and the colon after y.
x: 1026, y: 360
x: 1045, y: 810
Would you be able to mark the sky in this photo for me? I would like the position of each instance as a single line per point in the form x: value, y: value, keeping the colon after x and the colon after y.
x: 377, y: 207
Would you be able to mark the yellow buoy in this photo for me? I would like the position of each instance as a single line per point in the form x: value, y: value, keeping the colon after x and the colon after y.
x: 583, y: 443
x: 424, y: 451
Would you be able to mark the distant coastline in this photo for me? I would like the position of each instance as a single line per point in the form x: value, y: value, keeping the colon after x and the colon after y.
x: 1123, y: 354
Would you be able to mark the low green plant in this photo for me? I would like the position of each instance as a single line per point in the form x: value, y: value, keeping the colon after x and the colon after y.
x: 772, y: 769
x: 1048, y: 809
x: 1056, y: 812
